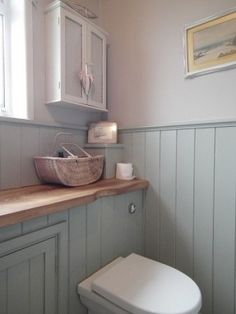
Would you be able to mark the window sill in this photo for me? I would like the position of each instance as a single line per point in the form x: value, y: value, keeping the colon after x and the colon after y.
x: 7, y: 119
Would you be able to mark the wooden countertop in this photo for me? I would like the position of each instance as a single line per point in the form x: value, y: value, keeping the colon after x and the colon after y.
x: 20, y: 204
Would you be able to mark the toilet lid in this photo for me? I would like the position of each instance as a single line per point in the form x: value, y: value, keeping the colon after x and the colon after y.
x: 142, y: 286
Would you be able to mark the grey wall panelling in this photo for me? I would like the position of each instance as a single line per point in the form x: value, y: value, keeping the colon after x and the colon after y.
x: 46, y: 138
x: 152, y: 172
x: 184, y: 201
x: 19, y: 143
x: 113, y: 154
x: 167, y: 197
x: 10, y: 156
x: 108, y: 250
x: 189, y: 214
x: 135, y: 227
x: 77, y: 244
x: 96, y: 234
x: 29, y: 147
x: 190, y: 204
x: 138, y: 154
x: 93, y: 236
x: 128, y: 229
x: 224, y: 221
x: 127, y: 140
x: 203, y: 213
x: 120, y: 227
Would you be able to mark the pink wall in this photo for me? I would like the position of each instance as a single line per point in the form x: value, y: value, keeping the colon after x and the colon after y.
x: 146, y: 84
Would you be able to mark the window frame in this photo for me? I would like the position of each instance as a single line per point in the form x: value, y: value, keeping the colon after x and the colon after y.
x: 5, y: 12
x: 10, y: 108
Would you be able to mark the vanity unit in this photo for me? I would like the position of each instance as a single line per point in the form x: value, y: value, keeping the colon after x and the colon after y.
x: 53, y: 237
x: 73, y: 45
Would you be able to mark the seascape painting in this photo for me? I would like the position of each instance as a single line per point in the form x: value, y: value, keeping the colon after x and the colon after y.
x: 215, y: 42
x: 212, y: 44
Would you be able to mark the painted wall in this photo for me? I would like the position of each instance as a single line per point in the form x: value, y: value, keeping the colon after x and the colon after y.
x: 146, y: 84
x: 44, y: 112
x: 190, y: 204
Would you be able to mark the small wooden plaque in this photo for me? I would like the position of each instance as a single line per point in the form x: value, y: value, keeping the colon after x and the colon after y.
x: 102, y: 133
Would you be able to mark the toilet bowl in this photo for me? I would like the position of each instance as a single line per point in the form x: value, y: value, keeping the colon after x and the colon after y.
x: 138, y: 285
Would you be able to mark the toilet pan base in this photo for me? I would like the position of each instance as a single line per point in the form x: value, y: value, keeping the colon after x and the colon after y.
x: 96, y: 308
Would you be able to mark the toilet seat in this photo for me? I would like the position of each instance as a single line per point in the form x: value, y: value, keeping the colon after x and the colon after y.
x: 139, y: 285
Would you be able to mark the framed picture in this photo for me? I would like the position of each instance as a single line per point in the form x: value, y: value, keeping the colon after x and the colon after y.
x: 102, y: 133
x: 210, y: 45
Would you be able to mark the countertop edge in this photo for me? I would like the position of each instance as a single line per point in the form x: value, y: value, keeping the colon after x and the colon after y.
x: 103, y: 188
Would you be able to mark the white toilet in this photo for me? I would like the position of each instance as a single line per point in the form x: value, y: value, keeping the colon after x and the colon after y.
x: 138, y: 285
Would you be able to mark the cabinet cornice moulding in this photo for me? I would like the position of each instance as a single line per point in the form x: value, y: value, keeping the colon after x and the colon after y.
x: 57, y: 3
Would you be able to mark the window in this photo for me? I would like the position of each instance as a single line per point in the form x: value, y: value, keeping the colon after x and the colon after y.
x: 4, y: 12
x: 16, y: 66
x: 2, y: 70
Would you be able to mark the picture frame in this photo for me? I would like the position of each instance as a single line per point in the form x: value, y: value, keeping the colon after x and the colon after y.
x: 210, y: 44
x: 103, y: 132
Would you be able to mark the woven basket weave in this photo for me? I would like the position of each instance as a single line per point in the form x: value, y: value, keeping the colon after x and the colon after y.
x: 70, y: 171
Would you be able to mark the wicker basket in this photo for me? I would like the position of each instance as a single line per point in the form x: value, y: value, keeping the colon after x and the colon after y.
x: 70, y: 171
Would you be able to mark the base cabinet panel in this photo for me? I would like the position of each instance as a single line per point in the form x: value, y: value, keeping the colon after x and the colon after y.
x: 42, y: 260
x: 30, y: 277
x: 29, y: 273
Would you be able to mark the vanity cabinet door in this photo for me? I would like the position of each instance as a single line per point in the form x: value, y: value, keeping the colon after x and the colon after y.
x: 34, y: 272
x: 28, y: 280
x: 96, y: 61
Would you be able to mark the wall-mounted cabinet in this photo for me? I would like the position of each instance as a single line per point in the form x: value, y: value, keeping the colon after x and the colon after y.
x: 73, y: 45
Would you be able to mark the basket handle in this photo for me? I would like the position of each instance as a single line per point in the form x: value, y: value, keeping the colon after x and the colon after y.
x: 76, y: 145
x: 54, y: 144
x: 62, y: 145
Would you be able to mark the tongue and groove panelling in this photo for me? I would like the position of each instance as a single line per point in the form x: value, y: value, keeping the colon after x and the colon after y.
x: 190, y: 204
x: 19, y: 143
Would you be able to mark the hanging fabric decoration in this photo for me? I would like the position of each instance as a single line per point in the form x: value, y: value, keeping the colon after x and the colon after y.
x: 86, y: 80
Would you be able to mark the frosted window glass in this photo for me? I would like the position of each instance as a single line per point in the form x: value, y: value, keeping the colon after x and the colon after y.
x: 73, y: 56
x: 97, y: 68
x: 2, y: 76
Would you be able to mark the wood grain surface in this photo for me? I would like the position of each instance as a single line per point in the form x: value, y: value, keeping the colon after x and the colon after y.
x: 17, y: 205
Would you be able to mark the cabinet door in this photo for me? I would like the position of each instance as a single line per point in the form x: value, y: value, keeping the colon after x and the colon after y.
x: 28, y: 280
x: 96, y: 61
x: 73, y: 46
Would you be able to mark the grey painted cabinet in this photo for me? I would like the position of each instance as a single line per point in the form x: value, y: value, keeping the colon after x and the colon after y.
x: 42, y: 260
x: 30, y: 269
x: 30, y: 277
